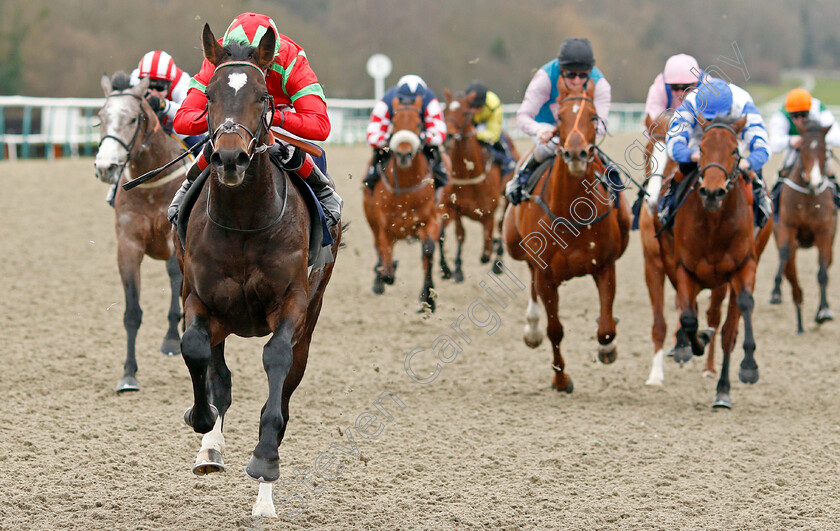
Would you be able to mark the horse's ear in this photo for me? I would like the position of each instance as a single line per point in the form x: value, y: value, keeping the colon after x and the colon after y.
x: 824, y: 130
x: 106, y: 84
x: 648, y: 121
x: 590, y: 90
x: 447, y: 95
x: 418, y: 101
x: 562, y: 89
x: 739, y: 124
x: 264, y: 54
x: 213, y: 51
x: 140, y: 88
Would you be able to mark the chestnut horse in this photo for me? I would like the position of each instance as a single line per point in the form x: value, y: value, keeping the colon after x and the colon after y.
x: 133, y: 143
x: 474, y: 188
x: 587, y: 244
x: 714, y: 245
x: 807, y: 217
x: 658, y: 176
x: 245, y: 263
x: 402, y: 203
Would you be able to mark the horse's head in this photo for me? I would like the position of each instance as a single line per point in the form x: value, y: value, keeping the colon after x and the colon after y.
x: 812, y: 154
x: 237, y: 103
x: 458, y: 114
x: 576, y: 126
x: 719, y: 158
x: 126, y: 123
x: 407, y: 123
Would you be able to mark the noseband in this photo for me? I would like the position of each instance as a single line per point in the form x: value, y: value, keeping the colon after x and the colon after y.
x: 129, y: 148
x: 231, y: 127
x: 732, y: 174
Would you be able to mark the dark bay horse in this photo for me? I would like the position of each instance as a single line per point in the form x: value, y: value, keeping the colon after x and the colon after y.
x: 245, y: 263
x: 402, y: 204
x: 807, y: 217
x: 714, y: 244
x: 475, y: 187
x: 572, y: 229
x: 658, y: 264
x: 133, y: 143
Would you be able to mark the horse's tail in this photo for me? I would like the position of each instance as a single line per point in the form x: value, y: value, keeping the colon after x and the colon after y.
x: 345, y: 226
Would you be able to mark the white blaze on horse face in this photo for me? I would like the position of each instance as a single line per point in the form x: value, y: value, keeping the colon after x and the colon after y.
x: 815, y: 177
x: 455, y: 105
x: 237, y: 80
x: 575, y: 107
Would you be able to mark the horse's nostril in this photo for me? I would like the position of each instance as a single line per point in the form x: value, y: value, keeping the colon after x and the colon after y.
x: 216, y: 159
x: 242, y: 159
x: 583, y: 154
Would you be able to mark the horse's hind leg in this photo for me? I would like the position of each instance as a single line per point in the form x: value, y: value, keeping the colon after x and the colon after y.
x: 211, y: 456
x: 532, y: 335
x: 446, y: 273
x: 129, y: 257
x: 655, y: 280
x: 500, y: 248
x: 458, y: 274
x: 605, y: 280
x: 687, y: 301
x: 172, y: 341
x: 487, y: 222
x: 824, y: 242
x: 784, y: 256
x: 743, y: 286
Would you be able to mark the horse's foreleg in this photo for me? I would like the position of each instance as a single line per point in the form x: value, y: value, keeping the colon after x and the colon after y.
x: 211, y: 456
x: 278, y: 359
x: 500, y: 248
x: 385, y: 245
x: 446, y: 273
x: 795, y: 288
x: 713, y: 319
x: 458, y: 274
x: 548, y: 293
x: 743, y: 284
x: 687, y: 300
x: 784, y: 256
x: 605, y: 280
x: 129, y: 257
x: 171, y: 345
x: 195, y: 348
x: 729, y: 334
x: 533, y: 336
x: 427, y: 299
x: 487, y: 222
x: 824, y: 241
x: 655, y: 280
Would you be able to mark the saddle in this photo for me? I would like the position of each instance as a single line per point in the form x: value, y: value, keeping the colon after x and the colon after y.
x: 320, y: 238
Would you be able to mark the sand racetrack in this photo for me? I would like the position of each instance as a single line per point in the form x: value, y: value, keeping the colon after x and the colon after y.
x: 486, y: 445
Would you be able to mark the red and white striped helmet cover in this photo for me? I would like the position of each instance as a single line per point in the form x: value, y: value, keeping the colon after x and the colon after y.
x: 157, y: 65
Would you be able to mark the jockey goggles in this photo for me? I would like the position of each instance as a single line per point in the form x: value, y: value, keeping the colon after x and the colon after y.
x: 681, y: 87
x: 799, y: 115
x: 571, y: 75
x: 159, y: 85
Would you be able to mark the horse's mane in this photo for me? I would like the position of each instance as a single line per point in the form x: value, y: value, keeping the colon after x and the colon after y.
x: 238, y: 51
x: 120, y: 81
x: 725, y: 120
x: 813, y: 126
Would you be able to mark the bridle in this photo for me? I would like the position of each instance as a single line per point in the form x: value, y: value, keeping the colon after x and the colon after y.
x: 732, y: 174
x: 396, y: 189
x: 575, y: 128
x: 231, y: 127
x: 462, y: 133
x: 129, y: 148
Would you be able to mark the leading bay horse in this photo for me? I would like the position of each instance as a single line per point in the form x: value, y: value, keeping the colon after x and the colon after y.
x: 659, y: 173
x: 573, y: 226
x: 807, y: 217
x: 714, y: 245
x: 402, y: 203
x: 133, y: 143
x: 245, y: 264
x: 475, y: 186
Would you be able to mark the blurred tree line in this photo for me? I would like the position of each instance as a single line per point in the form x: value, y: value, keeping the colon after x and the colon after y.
x: 62, y: 47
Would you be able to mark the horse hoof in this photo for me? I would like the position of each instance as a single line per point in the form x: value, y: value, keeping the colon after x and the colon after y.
x: 775, y: 298
x: 458, y: 276
x: 445, y: 274
x: 378, y: 287
x: 171, y: 347
x: 532, y: 340
x: 748, y: 376
x: 497, y: 268
x: 263, y: 470
x: 706, y: 337
x: 722, y: 401
x: 709, y: 374
x: 566, y: 387
x: 824, y: 315
x: 388, y: 280
x: 201, y: 424
x: 485, y: 259
x: 608, y: 353
x: 127, y: 383
x: 682, y: 354
x: 207, y: 462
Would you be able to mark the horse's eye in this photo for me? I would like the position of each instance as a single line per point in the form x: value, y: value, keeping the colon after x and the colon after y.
x: 133, y: 121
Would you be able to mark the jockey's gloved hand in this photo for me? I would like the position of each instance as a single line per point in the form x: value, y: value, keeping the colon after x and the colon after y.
x: 158, y: 105
x: 294, y: 157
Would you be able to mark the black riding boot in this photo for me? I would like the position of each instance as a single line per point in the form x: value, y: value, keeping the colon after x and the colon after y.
x: 193, y: 172
x: 439, y: 173
x: 374, y: 172
x: 513, y: 189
